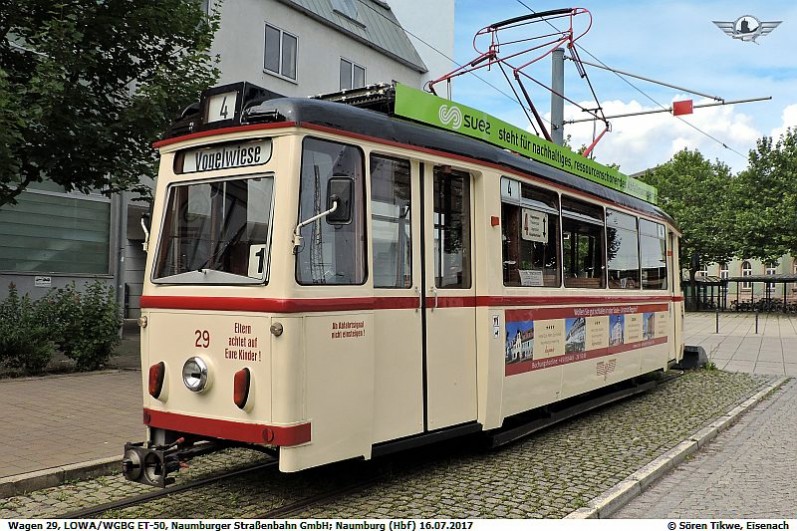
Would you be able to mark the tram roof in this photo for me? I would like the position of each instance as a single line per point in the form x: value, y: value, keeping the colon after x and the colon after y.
x: 378, y: 125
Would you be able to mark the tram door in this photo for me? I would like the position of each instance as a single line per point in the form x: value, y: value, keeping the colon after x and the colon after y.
x: 425, y: 365
x: 449, y: 312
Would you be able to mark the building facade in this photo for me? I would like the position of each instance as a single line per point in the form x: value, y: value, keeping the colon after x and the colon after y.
x: 739, y: 291
x: 291, y: 47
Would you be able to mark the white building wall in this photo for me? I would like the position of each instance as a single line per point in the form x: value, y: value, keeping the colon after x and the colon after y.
x: 240, y: 45
x: 432, y: 21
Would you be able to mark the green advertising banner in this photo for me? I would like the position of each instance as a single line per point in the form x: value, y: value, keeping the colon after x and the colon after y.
x: 429, y: 109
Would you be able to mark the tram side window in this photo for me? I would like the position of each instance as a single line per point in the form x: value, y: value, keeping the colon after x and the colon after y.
x: 583, y: 237
x: 530, y: 237
x: 653, y: 247
x: 391, y: 222
x: 331, y: 253
x: 452, y: 256
x: 622, y: 248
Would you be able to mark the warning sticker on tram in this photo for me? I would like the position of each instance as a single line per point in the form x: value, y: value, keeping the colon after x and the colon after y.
x: 226, y: 156
x: 535, y: 226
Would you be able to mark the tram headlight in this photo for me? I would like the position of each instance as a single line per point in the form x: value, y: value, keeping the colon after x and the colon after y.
x: 195, y: 374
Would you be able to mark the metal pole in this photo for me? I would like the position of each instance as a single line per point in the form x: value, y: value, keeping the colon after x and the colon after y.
x: 717, y: 326
x: 557, y: 101
x: 756, y: 321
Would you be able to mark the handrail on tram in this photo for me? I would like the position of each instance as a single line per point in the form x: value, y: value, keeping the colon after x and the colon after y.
x: 297, y: 236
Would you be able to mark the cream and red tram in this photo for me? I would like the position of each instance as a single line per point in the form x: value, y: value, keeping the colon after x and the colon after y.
x: 330, y: 282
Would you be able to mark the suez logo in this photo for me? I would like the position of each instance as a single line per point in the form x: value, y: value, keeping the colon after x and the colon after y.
x: 452, y: 116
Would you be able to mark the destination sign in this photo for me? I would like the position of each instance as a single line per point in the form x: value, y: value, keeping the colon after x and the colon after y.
x: 427, y: 108
x: 226, y: 156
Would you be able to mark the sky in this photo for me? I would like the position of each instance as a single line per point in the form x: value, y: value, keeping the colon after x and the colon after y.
x: 674, y: 42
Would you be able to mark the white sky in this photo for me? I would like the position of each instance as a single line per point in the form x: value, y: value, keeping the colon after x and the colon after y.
x: 671, y: 41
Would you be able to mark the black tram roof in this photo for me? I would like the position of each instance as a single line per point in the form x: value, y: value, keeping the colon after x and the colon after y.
x: 380, y: 124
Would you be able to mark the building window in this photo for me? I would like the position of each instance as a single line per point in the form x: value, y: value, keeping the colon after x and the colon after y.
x: 52, y: 231
x: 347, y: 8
x: 771, y: 270
x: 747, y: 270
x: 351, y: 75
x: 280, y: 52
x: 724, y: 274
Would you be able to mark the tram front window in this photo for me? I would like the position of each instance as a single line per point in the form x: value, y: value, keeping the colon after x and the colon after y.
x: 216, y: 232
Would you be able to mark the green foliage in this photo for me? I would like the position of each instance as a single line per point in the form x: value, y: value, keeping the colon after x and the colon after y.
x: 695, y: 192
x: 87, y: 86
x: 25, y: 342
x: 85, y: 325
x: 764, y: 201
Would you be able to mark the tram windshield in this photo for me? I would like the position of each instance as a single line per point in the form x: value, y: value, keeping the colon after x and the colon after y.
x: 216, y: 232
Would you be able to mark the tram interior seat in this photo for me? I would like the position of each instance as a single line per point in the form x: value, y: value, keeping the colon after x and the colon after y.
x: 580, y: 282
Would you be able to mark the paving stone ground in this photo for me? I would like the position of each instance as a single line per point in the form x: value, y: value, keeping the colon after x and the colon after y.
x: 547, y: 475
x: 749, y: 471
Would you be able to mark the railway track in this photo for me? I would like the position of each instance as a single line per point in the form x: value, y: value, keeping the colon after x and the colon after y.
x: 373, y: 473
x: 98, y: 510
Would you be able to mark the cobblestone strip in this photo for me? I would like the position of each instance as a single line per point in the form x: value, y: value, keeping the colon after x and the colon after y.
x: 605, y: 505
x: 548, y: 475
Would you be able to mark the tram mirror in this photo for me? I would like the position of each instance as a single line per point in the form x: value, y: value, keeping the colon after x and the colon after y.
x: 340, y: 188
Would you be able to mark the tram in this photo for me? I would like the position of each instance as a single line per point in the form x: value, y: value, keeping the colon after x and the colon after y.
x: 335, y: 277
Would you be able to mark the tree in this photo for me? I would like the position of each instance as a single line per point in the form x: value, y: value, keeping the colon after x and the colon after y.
x: 764, y: 201
x: 87, y: 85
x: 695, y: 192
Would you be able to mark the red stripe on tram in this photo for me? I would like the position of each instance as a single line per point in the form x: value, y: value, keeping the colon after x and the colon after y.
x: 229, y: 430
x: 246, y: 304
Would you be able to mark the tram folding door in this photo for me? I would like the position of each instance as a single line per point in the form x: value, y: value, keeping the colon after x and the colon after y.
x: 449, y: 311
x: 425, y: 367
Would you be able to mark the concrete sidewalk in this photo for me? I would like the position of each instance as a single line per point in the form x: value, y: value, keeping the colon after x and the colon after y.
x: 58, y: 422
x: 68, y: 426
x: 738, y: 348
x: 57, y: 428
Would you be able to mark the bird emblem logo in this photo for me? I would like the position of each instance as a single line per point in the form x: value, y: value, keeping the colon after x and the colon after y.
x: 747, y: 28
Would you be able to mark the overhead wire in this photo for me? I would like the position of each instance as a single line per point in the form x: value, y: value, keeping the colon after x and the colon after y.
x: 366, y: 4
x: 442, y: 54
x: 718, y: 141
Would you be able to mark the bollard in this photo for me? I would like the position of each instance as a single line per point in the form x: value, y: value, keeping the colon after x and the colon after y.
x: 717, y: 327
x: 756, y: 321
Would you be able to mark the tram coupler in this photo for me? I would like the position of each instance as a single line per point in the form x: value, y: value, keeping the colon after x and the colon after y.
x: 149, y: 464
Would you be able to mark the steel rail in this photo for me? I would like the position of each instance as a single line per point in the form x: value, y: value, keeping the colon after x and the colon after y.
x: 162, y: 493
